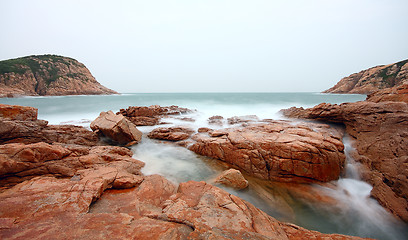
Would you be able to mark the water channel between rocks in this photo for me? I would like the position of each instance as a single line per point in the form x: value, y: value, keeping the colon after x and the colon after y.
x: 343, y: 206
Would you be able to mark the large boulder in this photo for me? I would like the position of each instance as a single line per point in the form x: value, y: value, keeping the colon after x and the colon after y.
x: 380, y: 133
x: 116, y: 128
x: 277, y: 150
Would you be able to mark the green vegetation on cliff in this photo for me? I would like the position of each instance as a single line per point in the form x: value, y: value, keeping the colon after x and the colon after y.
x: 40, y: 65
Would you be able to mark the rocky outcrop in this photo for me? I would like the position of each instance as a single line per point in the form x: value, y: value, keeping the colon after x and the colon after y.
x: 20, y: 162
x: 380, y: 133
x: 277, y: 150
x: 232, y: 178
x: 83, y: 208
x: 117, y: 128
x: 71, y: 191
x: 373, y: 79
x: 171, y: 133
x: 395, y: 94
x: 47, y: 75
x: 150, y: 116
x: 14, y: 112
x: 19, y: 124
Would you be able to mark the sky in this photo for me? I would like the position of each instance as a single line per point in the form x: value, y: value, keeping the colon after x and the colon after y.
x: 210, y: 45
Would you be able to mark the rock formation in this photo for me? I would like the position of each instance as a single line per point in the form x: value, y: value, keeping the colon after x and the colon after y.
x: 150, y: 116
x: 232, y: 178
x: 380, y: 133
x: 277, y: 150
x: 19, y: 124
x: 117, y: 128
x: 395, y: 94
x: 373, y: 79
x: 47, y: 75
x: 171, y: 133
x: 71, y: 191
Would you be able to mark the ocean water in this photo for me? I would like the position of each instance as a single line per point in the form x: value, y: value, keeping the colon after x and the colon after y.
x: 354, y: 212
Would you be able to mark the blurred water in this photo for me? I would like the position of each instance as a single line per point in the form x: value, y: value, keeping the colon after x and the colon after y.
x: 354, y: 214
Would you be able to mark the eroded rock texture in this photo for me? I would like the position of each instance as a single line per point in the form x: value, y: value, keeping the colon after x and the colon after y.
x: 380, y: 131
x: 277, y: 150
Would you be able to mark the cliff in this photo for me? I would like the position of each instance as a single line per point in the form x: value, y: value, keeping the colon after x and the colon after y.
x: 373, y: 79
x: 43, y: 75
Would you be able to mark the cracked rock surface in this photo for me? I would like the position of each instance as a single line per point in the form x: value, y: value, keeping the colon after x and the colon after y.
x: 277, y: 150
x: 380, y: 133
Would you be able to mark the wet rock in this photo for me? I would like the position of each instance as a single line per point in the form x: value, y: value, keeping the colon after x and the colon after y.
x: 152, y: 115
x: 58, y: 208
x: 380, y: 133
x: 15, y: 112
x: 171, y: 133
x: 232, y: 178
x: 242, y: 119
x: 216, y: 120
x: 204, y: 129
x: 116, y: 128
x: 278, y: 150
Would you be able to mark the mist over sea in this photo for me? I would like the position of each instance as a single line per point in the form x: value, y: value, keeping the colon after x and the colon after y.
x: 357, y: 214
x: 77, y: 109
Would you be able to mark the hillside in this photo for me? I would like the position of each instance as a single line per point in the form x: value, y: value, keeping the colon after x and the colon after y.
x: 47, y: 75
x: 373, y: 79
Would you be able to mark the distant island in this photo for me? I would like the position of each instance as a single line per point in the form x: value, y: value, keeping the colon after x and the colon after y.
x: 47, y: 75
x: 373, y: 79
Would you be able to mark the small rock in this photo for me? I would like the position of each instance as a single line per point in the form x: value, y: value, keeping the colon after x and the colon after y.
x: 232, y: 178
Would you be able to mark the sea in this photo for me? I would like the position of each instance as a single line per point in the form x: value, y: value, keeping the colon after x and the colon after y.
x: 353, y: 212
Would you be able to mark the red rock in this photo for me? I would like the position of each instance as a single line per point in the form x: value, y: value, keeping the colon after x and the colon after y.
x: 53, y: 75
x: 20, y: 125
x: 203, y: 129
x: 150, y: 116
x: 373, y: 79
x: 379, y: 131
x: 20, y: 162
x: 15, y: 112
x: 232, y: 178
x: 116, y: 128
x: 216, y: 120
x: 171, y: 133
x: 278, y: 151
x: 395, y: 94
x: 51, y: 208
x: 242, y: 119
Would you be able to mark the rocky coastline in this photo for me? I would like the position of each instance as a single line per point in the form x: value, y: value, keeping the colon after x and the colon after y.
x: 78, y: 186
x: 47, y: 75
x: 373, y: 79
x: 67, y: 182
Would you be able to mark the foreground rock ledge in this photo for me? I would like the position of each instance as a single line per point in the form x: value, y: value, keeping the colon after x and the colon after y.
x: 51, y: 208
x: 380, y: 133
x: 278, y: 150
x: 71, y: 191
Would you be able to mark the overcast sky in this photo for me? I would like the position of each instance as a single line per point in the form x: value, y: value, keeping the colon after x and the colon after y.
x: 210, y: 45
